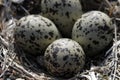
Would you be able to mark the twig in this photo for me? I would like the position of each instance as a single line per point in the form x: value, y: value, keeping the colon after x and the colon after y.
x: 25, y: 10
x: 108, y: 4
x: 101, y: 5
x: 115, y: 51
x: 7, y: 66
x: 92, y: 75
x: 116, y: 77
x: 17, y: 1
x: 19, y: 68
x: 4, y: 42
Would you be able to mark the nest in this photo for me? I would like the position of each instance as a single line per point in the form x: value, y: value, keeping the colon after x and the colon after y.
x: 15, y: 65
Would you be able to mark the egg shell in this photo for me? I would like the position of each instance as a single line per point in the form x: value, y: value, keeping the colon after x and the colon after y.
x: 64, y: 58
x: 93, y: 31
x: 63, y: 13
x: 34, y: 33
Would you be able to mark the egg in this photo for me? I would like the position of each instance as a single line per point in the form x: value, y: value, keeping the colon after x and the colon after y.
x: 64, y: 58
x: 93, y: 31
x: 34, y: 33
x: 63, y: 13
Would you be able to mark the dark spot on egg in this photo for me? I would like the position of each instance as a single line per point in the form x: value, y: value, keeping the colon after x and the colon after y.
x: 104, y: 28
x: 73, y: 20
x: 55, y: 51
x: 47, y: 57
x: 65, y: 57
x: 102, y: 37
x: 90, y: 25
x: 78, y: 49
x: 80, y: 28
x: 110, y: 31
x: 90, y: 38
x: 23, y: 26
x: 51, y: 34
x: 47, y: 51
x: 57, y: 4
x: 56, y: 37
x: 77, y: 36
x: 96, y: 24
x: 55, y: 64
x: 32, y: 38
x: 87, y: 32
x: 53, y: 11
x: 67, y: 14
x: 95, y: 42
x: 50, y: 38
x: 78, y: 63
x: 39, y: 32
x: 22, y: 34
x: 46, y: 36
x: 39, y: 25
x: 69, y: 5
x: 55, y: 55
x: 79, y: 24
x: 49, y: 24
x: 89, y: 47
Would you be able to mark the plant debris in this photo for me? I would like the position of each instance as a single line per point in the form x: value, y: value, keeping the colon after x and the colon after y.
x: 15, y: 65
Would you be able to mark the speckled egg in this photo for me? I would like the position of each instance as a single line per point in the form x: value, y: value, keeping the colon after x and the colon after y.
x: 63, y: 13
x: 64, y: 58
x: 93, y: 31
x: 34, y: 33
